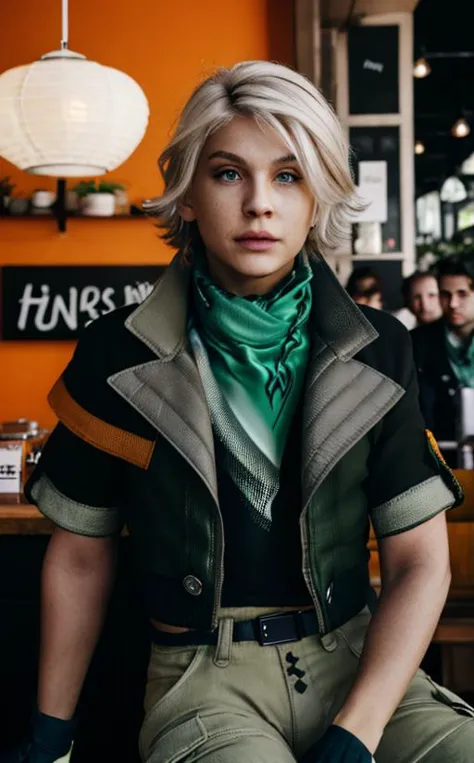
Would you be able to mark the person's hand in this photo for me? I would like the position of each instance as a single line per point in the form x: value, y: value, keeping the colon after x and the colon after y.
x: 49, y: 741
x: 337, y: 745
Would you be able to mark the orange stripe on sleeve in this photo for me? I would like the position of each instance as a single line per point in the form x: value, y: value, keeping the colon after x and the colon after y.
x: 111, y: 439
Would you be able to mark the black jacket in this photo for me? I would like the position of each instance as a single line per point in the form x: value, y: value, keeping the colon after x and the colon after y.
x: 135, y: 445
x: 437, y: 381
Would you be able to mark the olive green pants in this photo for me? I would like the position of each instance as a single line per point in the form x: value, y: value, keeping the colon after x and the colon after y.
x: 246, y: 703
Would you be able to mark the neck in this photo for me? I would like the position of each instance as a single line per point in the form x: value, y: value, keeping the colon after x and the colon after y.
x: 463, y: 332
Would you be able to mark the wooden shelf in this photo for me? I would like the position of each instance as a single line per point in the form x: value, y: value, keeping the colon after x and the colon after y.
x: 355, y: 258
x: 382, y: 257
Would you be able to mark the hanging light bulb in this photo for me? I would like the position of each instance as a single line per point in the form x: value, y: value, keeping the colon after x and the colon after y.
x: 460, y: 128
x: 421, y: 68
x: 419, y: 147
x: 65, y: 116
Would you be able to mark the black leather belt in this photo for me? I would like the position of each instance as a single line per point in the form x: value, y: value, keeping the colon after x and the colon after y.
x: 268, y: 630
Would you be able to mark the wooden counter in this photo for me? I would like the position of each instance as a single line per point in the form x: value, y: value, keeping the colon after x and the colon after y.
x: 20, y: 518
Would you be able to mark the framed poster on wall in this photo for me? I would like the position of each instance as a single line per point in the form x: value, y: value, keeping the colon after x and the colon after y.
x: 381, y: 145
x: 373, y: 69
x: 57, y: 302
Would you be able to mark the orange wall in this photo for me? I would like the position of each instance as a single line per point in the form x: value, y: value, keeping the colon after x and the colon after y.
x: 167, y: 47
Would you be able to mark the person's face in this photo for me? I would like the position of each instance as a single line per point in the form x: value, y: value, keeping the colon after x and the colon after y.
x: 374, y: 300
x: 367, y: 283
x: 457, y: 301
x: 424, y: 300
x: 251, y: 204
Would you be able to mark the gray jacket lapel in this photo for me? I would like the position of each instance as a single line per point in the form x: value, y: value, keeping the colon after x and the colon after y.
x: 171, y: 397
x: 168, y: 391
x: 344, y: 398
x: 349, y: 399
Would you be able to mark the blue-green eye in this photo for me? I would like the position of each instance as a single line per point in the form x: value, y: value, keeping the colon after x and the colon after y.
x: 287, y: 177
x: 230, y: 176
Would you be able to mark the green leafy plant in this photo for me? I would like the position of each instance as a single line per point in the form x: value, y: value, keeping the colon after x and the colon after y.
x: 6, y: 187
x: 90, y: 186
x: 110, y: 187
x: 442, y: 249
x: 430, y: 255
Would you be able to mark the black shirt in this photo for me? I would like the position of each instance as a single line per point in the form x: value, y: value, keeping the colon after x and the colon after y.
x: 263, y: 566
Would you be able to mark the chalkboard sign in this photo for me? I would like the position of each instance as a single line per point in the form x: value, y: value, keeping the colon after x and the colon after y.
x: 58, y: 302
x: 370, y: 144
x: 373, y: 69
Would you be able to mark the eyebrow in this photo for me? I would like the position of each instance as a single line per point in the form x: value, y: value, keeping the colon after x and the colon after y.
x: 239, y: 160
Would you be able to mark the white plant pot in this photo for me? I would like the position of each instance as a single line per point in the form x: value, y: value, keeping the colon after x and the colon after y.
x: 43, y: 199
x: 99, y: 205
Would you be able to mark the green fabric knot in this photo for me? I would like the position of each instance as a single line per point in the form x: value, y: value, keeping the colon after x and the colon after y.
x: 258, y: 349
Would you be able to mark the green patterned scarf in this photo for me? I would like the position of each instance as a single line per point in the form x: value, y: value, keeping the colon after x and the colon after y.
x: 258, y: 350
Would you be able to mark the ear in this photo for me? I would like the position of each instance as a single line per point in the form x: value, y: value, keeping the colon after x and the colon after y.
x: 186, y: 210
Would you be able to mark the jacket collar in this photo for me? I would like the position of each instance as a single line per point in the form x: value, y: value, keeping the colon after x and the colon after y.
x: 160, y: 321
x: 343, y: 398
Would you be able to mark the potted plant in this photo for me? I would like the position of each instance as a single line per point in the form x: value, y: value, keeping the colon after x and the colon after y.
x: 42, y: 200
x: 18, y: 206
x: 6, y: 187
x: 97, y: 199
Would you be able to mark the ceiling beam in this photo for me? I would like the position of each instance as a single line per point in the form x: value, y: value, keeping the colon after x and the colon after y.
x: 340, y: 13
x: 308, y: 37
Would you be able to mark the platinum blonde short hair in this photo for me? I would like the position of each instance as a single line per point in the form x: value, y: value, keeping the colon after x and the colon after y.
x: 277, y: 96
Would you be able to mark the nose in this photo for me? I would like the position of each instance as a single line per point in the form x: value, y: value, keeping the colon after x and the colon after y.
x: 454, y: 302
x: 424, y: 303
x: 258, y: 199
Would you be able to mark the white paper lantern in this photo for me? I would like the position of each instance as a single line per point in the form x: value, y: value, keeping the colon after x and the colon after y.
x: 467, y: 167
x: 453, y: 190
x: 66, y: 116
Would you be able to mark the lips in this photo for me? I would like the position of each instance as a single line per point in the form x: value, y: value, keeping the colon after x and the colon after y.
x: 256, y: 236
x: 256, y: 243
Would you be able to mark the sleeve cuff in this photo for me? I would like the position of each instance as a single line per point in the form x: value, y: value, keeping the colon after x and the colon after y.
x: 95, y: 521
x: 412, y: 508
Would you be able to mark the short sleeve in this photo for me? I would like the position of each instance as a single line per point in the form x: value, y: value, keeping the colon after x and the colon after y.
x: 79, y: 480
x: 76, y: 485
x: 409, y: 482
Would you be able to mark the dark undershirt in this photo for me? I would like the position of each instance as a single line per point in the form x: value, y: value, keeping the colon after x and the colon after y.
x: 262, y: 567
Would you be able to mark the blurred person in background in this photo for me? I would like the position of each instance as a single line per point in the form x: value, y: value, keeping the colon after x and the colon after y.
x: 444, y: 349
x: 421, y: 300
x: 365, y: 287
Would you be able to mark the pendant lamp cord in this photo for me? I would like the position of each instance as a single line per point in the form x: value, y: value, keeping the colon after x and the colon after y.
x: 65, y: 25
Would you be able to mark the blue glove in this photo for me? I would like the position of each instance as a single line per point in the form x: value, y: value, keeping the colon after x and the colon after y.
x: 337, y: 746
x: 49, y: 741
